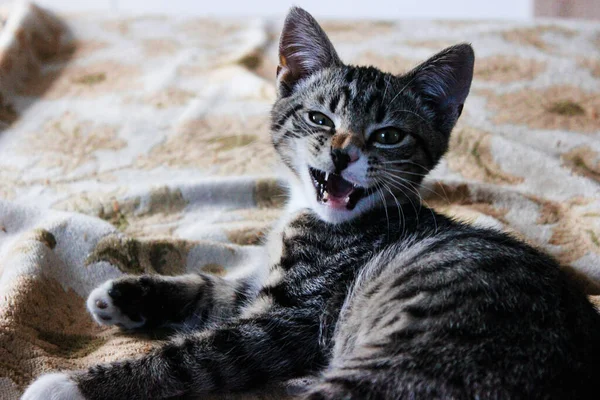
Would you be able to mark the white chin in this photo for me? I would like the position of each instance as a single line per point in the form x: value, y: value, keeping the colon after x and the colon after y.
x: 339, y: 215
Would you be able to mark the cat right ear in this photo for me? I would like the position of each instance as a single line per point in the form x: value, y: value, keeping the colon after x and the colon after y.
x: 304, y: 48
x: 444, y: 82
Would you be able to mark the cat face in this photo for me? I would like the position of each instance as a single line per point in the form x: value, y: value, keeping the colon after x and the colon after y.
x: 355, y: 138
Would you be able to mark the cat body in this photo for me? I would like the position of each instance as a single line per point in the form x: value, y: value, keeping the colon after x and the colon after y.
x: 367, y: 290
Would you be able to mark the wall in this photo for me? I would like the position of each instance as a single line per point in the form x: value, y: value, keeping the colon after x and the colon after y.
x: 455, y: 9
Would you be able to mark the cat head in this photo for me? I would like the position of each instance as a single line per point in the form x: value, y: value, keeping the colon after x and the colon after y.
x: 354, y: 137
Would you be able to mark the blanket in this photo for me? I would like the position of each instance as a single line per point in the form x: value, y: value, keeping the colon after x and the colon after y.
x: 140, y: 144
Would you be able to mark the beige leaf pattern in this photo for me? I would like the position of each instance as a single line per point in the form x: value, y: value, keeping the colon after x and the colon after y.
x: 503, y: 69
x: 535, y: 36
x: 80, y: 140
x: 576, y: 227
x: 89, y: 81
x: 592, y: 64
x: 220, y: 142
x: 557, y: 107
x: 583, y: 161
x: 470, y: 154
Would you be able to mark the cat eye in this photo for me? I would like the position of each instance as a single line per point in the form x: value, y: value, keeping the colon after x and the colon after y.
x: 320, y: 119
x: 387, y: 136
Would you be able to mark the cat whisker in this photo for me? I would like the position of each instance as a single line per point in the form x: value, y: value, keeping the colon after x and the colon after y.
x: 383, y: 197
x: 403, y: 89
x: 410, y: 112
x: 399, y: 183
x: 385, y: 169
x: 411, y: 184
x: 399, y: 186
x: 388, y: 177
x: 402, y: 222
x: 421, y: 200
x: 436, y: 194
x: 387, y: 84
x: 387, y: 217
x: 400, y: 162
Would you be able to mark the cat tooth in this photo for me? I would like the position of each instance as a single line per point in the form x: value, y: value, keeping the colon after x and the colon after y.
x: 347, y: 200
x: 326, y: 176
x: 325, y: 197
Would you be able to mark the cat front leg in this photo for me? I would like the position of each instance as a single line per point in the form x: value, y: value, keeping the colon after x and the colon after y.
x: 149, y: 301
x: 248, y: 354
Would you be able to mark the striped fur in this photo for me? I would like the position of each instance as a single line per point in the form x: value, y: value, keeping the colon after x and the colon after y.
x: 389, y: 300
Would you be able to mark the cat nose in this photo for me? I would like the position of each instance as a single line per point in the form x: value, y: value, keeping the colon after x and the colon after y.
x: 345, y: 149
x: 341, y: 158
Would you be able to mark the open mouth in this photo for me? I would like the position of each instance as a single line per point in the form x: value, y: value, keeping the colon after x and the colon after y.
x: 336, y: 191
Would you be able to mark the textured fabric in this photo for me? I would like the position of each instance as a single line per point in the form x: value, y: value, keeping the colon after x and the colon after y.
x: 141, y: 144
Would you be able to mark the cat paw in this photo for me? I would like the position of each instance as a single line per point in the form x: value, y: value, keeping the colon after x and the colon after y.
x: 104, y: 303
x: 55, y: 386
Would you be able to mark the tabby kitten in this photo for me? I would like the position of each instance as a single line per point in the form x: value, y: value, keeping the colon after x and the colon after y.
x: 374, y: 294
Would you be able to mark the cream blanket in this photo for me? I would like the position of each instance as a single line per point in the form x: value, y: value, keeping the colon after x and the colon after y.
x: 141, y: 144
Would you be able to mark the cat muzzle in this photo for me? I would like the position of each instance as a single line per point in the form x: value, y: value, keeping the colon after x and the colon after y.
x: 335, y: 191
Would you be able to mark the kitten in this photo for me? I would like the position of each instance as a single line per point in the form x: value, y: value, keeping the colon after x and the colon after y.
x: 376, y: 295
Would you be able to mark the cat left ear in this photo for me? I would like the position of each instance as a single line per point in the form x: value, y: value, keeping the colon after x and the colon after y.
x: 444, y: 82
x: 304, y: 48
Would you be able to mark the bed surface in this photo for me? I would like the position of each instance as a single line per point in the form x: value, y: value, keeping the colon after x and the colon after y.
x: 140, y: 144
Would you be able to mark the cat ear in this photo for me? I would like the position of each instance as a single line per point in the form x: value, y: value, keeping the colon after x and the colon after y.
x: 444, y: 81
x: 304, y: 48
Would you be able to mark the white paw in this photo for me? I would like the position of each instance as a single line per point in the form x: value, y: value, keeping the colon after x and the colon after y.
x: 102, y: 308
x: 53, y: 387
